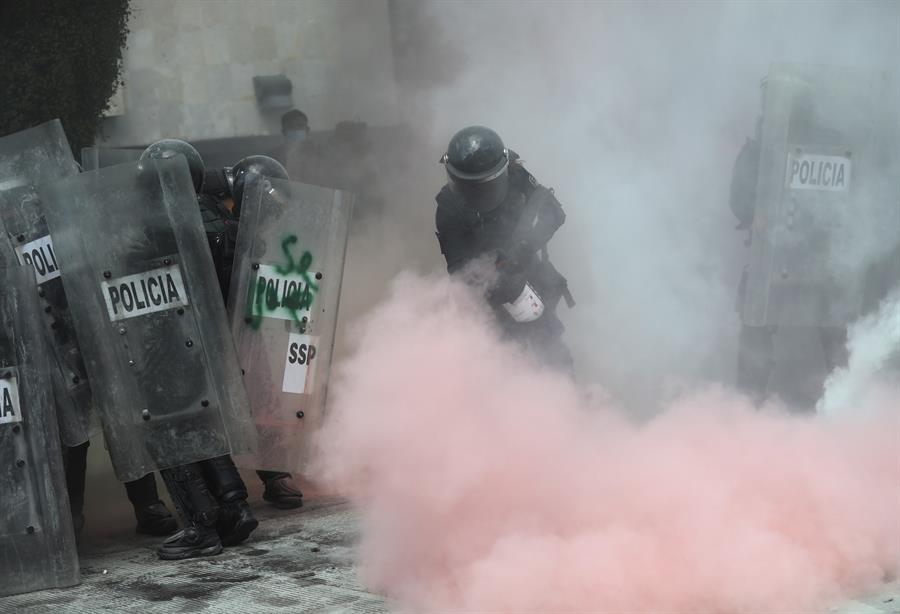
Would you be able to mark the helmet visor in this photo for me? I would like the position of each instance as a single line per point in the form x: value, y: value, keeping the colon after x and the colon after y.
x: 484, y: 194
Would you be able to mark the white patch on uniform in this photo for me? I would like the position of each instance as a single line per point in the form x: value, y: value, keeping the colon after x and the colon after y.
x: 527, y: 308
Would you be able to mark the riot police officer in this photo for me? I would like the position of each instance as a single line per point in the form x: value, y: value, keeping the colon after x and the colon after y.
x: 492, y: 206
x: 816, y: 191
x: 221, y: 212
x: 210, y: 494
x: 28, y: 160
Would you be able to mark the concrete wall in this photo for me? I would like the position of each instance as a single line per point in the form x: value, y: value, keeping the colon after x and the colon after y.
x: 189, y: 64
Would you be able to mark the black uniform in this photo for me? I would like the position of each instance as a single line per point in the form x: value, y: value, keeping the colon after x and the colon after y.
x: 221, y: 227
x: 756, y: 344
x: 210, y: 494
x: 514, y: 233
x: 221, y: 233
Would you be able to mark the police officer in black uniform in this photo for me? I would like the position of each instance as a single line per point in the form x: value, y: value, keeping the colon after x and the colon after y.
x: 210, y: 494
x: 756, y: 344
x: 492, y: 207
x: 220, y: 205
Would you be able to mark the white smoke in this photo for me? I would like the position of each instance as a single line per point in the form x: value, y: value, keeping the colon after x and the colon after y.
x: 634, y: 113
x: 874, y: 346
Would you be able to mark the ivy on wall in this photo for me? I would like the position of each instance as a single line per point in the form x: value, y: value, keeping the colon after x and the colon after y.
x: 60, y: 58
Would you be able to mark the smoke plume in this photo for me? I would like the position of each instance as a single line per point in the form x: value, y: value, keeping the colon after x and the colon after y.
x: 634, y: 113
x: 874, y: 362
x: 489, y: 484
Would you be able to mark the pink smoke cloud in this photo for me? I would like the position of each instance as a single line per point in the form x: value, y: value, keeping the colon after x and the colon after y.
x: 488, y: 484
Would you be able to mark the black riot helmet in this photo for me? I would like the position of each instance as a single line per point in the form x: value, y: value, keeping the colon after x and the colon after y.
x: 260, y: 165
x: 477, y: 165
x: 168, y: 148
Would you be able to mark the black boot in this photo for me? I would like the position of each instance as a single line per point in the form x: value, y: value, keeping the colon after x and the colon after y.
x: 75, y: 463
x: 153, y: 518
x: 199, y: 512
x: 280, y: 490
x: 236, y: 521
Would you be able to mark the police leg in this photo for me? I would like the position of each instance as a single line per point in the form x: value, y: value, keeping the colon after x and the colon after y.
x: 199, y: 511
x: 544, y: 340
x: 755, y: 361
x: 75, y: 463
x: 280, y: 490
x: 559, y: 357
x: 236, y: 521
x: 151, y: 514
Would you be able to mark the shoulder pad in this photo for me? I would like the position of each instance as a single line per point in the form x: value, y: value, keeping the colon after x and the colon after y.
x: 446, y: 198
x: 520, y: 173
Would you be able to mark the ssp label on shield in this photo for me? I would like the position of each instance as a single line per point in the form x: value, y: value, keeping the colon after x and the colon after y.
x: 298, y: 364
x: 10, y: 410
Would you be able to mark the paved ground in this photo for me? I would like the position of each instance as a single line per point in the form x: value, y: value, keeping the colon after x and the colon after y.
x: 885, y: 601
x: 295, y: 562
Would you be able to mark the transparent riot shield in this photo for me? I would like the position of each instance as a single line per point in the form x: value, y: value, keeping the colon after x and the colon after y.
x: 141, y: 285
x: 27, y: 159
x: 93, y: 158
x: 827, y: 197
x: 37, y: 542
x: 283, y: 303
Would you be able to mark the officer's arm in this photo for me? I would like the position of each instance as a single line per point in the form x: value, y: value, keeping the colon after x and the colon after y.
x: 542, y: 217
x: 550, y: 216
x: 455, y: 239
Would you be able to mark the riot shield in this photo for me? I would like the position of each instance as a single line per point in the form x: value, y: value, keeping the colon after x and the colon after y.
x: 29, y: 158
x: 143, y: 290
x: 283, y: 303
x: 37, y: 542
x: 827, y: 197
x: 93, y: 158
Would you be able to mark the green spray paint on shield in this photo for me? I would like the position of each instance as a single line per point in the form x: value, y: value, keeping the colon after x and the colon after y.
x: 263, y: 297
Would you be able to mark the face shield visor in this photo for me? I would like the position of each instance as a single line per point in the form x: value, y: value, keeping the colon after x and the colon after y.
x: 480, y: 191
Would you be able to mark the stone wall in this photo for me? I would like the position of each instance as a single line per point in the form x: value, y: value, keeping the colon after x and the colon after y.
x: 189, y: 64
